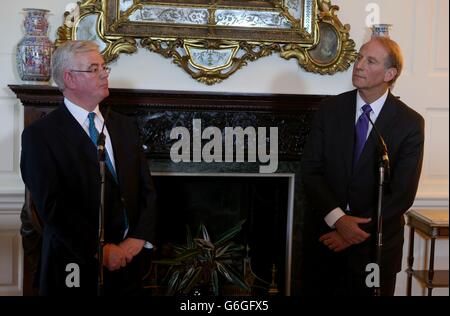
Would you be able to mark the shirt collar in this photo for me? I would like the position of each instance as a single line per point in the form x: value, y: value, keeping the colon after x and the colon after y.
x: 80, y: 114
x: 376, y: 106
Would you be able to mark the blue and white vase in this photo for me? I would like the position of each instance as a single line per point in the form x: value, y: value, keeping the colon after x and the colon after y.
x: 381, y: 30
x: 34, y: 51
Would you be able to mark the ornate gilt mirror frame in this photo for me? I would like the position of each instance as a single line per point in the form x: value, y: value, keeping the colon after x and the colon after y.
x: 212, y: 39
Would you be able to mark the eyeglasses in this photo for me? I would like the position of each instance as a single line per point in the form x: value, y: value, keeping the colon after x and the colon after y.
x: 94, y: 70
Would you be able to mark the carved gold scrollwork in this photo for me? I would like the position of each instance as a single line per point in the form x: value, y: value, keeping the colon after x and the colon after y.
x: 78, y: 25
x: 212, y: 39
x: 333, y: 52
x: 211, y: 69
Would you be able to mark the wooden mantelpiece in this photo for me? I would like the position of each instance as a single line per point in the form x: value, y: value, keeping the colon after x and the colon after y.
x: 40, y: 95
x: 157, y: 112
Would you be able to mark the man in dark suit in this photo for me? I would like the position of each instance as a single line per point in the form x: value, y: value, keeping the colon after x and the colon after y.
x: 60, y: 168
x: 340, y: 175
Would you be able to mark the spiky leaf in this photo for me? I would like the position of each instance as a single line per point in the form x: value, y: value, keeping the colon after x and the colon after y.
x: 205, y: 234
x: 193, y: 281
x: 215, y: 282
x: 229, y: 234
x: 173, y: 281
x: 234, y: 277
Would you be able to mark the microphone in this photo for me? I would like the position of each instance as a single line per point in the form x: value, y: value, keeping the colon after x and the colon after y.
x: 101, y: 138
x: 383, y: 147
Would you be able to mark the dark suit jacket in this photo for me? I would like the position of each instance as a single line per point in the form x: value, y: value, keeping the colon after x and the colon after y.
x: 330, y: 181
x: 59, y: 166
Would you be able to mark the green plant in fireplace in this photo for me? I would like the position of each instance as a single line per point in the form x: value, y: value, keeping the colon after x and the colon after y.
x: 202, y: 263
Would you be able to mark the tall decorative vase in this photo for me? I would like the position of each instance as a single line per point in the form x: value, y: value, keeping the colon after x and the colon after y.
x: 34, y: 51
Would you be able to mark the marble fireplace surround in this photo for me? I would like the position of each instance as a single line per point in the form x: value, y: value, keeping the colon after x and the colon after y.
x: 157, y: 112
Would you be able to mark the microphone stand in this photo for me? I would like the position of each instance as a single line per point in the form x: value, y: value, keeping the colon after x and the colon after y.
x: 384, y: 174
x: 101, y: 211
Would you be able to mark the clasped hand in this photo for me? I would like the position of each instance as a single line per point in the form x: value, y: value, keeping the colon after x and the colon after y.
x: 118, y: 256
x: 347, y: 233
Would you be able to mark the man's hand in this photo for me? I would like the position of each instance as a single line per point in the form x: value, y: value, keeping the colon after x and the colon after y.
x: 334, y: 241
x: 132, y: 246
x: 115, y: 257
x: 347, y: 227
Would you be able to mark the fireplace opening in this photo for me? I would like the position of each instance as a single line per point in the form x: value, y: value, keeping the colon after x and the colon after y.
x: 219, y: 202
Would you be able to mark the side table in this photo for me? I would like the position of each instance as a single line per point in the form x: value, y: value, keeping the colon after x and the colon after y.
x: 434, y: 224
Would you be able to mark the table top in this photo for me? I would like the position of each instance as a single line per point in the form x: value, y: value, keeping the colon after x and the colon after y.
x: 431, y: 217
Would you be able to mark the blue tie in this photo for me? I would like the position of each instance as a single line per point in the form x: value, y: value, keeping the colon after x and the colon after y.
x: 361, y: 128
x: 93, y: 134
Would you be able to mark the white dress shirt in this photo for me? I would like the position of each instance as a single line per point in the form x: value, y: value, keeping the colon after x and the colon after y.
x: 81, y: 115
x: 332, y: 217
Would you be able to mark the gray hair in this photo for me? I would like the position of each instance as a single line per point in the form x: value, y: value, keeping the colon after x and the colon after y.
x: 65, y: 54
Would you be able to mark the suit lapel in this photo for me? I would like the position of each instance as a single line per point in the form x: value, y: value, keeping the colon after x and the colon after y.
x: 387, y: 114
x: 385, y: 118
x: 116, y: 141
x: 74, y: 133
x: 347, y: 127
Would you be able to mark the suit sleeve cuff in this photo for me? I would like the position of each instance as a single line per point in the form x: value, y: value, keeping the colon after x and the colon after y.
x: 148, y: 245
x: 333, y: 217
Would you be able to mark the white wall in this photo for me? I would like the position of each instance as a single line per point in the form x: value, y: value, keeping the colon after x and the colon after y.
x: 421, y: 27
